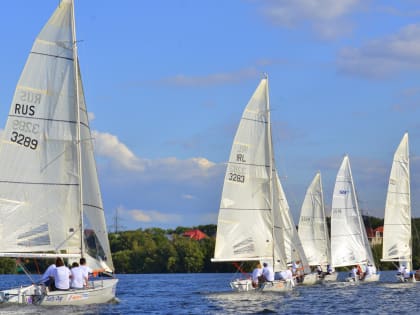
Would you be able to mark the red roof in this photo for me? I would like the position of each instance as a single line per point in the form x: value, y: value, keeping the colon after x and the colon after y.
x: 195, y: 234
x: 379, y: 229
x: 372, y: 232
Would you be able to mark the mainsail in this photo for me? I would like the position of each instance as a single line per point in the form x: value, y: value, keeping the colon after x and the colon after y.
x: 48, y: 181
x: 397, y: 222
x: 313, y: 230
x: 349, y: 243
x: 245, y: 222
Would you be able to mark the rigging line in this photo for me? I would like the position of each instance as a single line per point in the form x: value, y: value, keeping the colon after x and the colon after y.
x: 49, y: 55
x: 93, y: 206
x: 249, y: 164
x: 239, y: 268
x: 49, y: 119
x: 33, y: 183
x: 254, y: 120
x: 245, y: 209
x: 21, y: 265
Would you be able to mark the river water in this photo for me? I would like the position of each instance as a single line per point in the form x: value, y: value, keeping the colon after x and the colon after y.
x: 210, y: 294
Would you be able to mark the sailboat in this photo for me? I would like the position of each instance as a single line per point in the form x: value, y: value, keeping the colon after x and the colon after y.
x: 295, y: 254
x: 313, y: 230
x: 349, y: 242
x: 249, y: 222
x: 50, y: 200
x: 397, y: 241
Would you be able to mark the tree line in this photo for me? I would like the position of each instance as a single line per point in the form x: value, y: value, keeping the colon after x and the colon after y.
x: 157, y: 250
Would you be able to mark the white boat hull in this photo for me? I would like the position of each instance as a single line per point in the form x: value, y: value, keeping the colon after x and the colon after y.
x: 100, y: 291
x: 242, y: 285
x: 278, y: 286
x: 311, y: 279
x: 330, y: 277
x: 245, y: 285
x: 371, y: 278
x: 404, y: 279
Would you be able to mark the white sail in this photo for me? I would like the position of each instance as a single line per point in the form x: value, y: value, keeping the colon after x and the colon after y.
x: 292, y: 245
x: 349, y: 244
x: 50, y: 201
x: 95, y: 231
x: 397, y: 221
x: 47, y: 164
x: 244, y: 228
x: 39, y: 182
x: 313, y: 230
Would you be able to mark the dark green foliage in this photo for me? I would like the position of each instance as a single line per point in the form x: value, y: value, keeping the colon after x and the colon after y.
x: 156, y: 250
x: 165, y: 251
x: 7, y: 266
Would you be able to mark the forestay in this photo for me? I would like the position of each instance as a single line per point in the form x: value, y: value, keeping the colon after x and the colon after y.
x: 397, y: 221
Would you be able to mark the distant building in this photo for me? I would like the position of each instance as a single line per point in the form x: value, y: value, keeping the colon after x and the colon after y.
x: 195, y: 234
x: 375, y: 235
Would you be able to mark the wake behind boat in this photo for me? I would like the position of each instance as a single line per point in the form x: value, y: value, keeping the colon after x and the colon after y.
x: 50, y: 201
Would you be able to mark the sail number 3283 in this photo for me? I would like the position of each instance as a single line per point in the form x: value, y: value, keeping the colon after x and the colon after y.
x: 237, y: 178
x: 24, y: 140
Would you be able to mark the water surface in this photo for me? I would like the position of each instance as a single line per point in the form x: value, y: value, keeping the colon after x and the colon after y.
x: 210, y: 294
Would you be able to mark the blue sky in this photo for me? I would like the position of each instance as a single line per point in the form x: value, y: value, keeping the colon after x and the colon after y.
x: 166, y: 83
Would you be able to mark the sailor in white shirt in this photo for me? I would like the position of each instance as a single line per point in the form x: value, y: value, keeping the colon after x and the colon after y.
x: 256, y: 274
x: 268, y: 273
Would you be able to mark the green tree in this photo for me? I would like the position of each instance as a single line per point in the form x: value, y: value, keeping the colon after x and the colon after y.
x: 7, y: 266
x: 190, y: 256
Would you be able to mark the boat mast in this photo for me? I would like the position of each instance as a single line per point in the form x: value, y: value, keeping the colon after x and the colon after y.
x: 78, y: 133
x: 272, y: 168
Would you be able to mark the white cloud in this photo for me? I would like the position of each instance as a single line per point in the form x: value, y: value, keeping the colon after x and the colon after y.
x: 120, y: 157
x: 155, y: 189
x: 176, y: 169
x: 109, y: 146
x: 326, y: 17
x: 381, y: 58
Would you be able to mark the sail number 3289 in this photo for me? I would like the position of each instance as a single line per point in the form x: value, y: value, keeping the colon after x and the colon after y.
x: 24, y: 140
x: 237, y: 178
